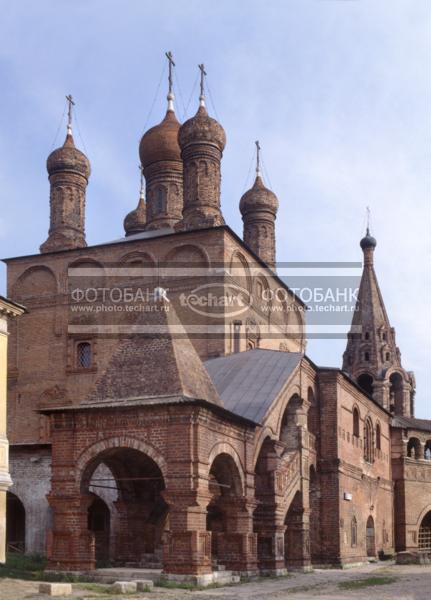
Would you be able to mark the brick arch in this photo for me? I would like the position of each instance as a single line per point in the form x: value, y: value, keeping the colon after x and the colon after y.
x: 121, y: 441
x: 422, y: 514
x: 295, y: 390
x: 147, y: 257
x: 226, y: 448
x: 48, y: 281
x: 264, y: 434
x: 194, y: 249
x: 238, y: 257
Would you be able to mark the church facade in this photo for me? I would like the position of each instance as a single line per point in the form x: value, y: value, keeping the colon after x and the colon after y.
x: 194, y: 436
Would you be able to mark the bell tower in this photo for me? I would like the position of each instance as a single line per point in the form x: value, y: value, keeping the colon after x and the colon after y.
x: 372, y: 357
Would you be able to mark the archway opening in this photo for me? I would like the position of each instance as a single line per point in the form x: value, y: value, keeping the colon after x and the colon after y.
x: 99, y: 522
x: 293, y: 537
x: 289, y: 423
x: 396, y: 394
x: 15, y: 524
x: 425, y: 533
x: 131, y: 483
x: 225, y: 487
x: 413, y: 448
x: 365, y: 382
x: 370, y: 537
x: 264, y: 516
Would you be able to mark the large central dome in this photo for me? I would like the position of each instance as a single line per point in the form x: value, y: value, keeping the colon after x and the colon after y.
x: 160, y: 143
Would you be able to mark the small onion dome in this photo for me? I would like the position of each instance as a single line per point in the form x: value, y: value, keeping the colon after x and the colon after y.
x: 258, y: 198
x: 161, y: 142
x: 68, y: 158
x: 202, y: 129
x: 368, y: 241
x: 136, y: 219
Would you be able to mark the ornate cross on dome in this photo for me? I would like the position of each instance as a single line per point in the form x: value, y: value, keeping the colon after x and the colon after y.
x: 69, y: 113
x: 368, y: 219
x: 258, y: 174
x: 171, y: 63
x: 203, y: 74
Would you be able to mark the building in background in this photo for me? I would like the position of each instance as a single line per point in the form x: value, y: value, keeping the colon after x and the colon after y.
x: 8, y: 309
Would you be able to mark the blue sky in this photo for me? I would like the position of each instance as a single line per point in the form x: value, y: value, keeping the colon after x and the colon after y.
x: 337, y: 91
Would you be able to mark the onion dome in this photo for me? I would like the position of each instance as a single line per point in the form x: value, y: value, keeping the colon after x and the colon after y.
x: 160, y: 143
x: 68, y: 158
x: 258, y: 198
x: 202, y: 129
x: 135, y: 221
x: 368, y: 241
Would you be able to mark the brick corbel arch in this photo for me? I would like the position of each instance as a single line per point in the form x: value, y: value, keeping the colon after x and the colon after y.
x: 121, y: 441
x: 225, y: 448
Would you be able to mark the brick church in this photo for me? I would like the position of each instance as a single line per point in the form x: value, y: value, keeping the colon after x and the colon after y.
x: 193, y: 439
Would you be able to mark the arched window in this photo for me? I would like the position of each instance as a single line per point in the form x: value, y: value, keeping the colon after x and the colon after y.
x: 378, y: 437
x: 396, y: 393
x: 367, y: 335
x: 368, y: 441
x: 388, y: 356
x: 83, y: 355
x: 354, y: 532
x: 367, y: 356
x: 355, y: 422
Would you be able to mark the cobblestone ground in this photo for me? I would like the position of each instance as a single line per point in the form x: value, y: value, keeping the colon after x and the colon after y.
x: 396, y: 583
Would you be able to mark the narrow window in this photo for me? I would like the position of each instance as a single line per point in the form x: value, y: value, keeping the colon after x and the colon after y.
x: 355, y: 422
x: 354, y: 532
x: 367, y: 335
x: 236, y: 336
x: 378, y: 436
x: 83, y: 355
x: 367, y: 356
x: 388, y: 356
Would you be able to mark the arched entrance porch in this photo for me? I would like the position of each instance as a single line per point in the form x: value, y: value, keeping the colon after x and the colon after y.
x: 141, y: 512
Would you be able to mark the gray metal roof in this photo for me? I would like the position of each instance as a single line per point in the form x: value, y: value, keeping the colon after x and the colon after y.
x: 144, y: 235
x: 249, y: 382
x: 411, y: 423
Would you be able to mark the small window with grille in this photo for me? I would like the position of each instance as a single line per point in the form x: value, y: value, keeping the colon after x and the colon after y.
x: 83, y: 355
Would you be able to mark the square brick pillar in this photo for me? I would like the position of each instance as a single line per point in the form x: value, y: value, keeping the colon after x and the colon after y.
x: 187, y: 545
x: 237, y: 546
x: 71, y: 546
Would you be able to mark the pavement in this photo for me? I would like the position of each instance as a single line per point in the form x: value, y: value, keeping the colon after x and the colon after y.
x: 384, y: 581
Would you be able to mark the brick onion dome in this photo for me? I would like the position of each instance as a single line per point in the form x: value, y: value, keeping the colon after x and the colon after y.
x: 202, y: 129
x: 68, y: 158
x: 160, y: 143
x: 258, y: 198
x: 135, y: 221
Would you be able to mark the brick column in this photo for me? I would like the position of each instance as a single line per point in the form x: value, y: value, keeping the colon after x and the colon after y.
x: 71, y: 545
x: 237, y: 546
x: 187, y: 545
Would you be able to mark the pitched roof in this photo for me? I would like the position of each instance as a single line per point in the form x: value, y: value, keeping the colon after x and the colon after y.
x: 158, y: 364
x: 412, y: 423
x: 249, y: 382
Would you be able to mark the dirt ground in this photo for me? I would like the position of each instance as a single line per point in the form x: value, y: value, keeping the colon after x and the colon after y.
x: 382, y: 581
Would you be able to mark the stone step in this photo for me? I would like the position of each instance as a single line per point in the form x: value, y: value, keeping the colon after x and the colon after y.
x: 124, y: 574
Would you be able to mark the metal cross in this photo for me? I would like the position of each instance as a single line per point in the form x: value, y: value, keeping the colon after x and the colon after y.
x: 69, y: 113
x: 257, y: 157
x: 368, y: 219
x: 170, y: 58
x: 203, y: 73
